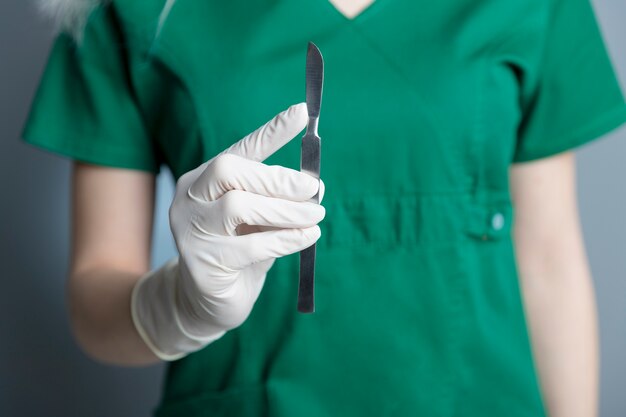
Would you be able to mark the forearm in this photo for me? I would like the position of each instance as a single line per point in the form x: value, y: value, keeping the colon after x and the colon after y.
x: 99, y: 304
x: 561, y: 314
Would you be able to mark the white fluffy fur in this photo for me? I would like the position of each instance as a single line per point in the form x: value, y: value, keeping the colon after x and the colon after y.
x: 69, y: 15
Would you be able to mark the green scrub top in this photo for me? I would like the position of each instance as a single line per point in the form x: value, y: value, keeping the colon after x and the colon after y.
x: 426, y: 105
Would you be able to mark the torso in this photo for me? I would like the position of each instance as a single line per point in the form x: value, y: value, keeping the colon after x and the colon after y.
x: 418, y: 311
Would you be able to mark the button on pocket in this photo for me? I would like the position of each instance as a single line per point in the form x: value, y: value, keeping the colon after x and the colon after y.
x: 497, y: 221
x: 489, y: 220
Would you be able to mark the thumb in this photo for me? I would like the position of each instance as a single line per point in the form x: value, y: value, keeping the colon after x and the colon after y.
x: 273, y: 135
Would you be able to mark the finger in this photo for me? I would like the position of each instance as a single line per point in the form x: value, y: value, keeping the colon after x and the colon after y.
x: 244, y: 229
x: 241, y: 207
x: 231, y: 172
x: 259, y: 247
x: 270, y: 137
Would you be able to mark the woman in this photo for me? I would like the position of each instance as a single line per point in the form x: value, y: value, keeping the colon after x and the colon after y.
x: 447, y: 130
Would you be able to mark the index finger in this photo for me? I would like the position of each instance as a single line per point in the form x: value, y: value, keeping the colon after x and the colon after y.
x: 267, y: 139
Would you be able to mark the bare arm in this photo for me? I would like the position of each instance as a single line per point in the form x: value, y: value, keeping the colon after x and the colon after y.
x: 556, y: 284
x: 111, y: 232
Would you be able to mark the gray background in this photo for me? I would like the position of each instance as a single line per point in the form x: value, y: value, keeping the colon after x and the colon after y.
x: 43, y: 373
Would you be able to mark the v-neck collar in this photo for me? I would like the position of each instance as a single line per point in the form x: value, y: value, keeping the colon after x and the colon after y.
x: 331, y: 9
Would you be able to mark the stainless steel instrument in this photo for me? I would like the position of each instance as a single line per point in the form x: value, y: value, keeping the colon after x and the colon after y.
x: 310, y: 163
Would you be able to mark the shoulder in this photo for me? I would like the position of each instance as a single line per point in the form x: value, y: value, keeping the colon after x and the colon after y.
x: 71, y: 16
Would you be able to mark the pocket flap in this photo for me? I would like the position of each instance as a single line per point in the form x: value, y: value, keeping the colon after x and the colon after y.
x: 490, y: 220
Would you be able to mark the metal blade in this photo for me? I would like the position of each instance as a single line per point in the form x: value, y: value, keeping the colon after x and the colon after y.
x: 314, y: 80
x: 310, y: 163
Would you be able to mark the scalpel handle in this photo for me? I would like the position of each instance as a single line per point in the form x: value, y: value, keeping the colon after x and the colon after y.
x: 306, y: 299
x: 309, y: 163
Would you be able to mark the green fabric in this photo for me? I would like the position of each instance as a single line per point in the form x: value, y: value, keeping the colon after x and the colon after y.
x: 86, y: 106
x: 563, y: 108
x: 425, y: 107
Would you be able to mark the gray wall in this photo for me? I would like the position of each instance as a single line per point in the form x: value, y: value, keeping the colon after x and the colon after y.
x: 43, y: 373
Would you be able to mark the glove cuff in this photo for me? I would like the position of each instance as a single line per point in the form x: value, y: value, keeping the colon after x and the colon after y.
x: 156, y: 315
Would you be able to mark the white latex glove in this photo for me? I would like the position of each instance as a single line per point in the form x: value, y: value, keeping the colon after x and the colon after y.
x: 231, y: 217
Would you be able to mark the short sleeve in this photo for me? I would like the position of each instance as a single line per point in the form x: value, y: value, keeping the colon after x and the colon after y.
x: 85, y: 108
x: 576, y: 97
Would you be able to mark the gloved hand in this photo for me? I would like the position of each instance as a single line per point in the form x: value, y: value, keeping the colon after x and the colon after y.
x: 231, y: 217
